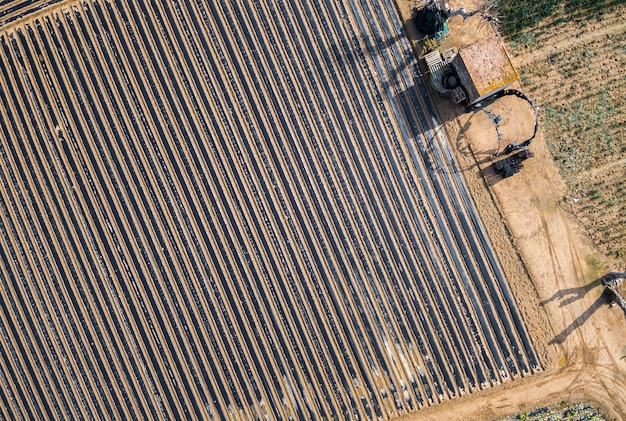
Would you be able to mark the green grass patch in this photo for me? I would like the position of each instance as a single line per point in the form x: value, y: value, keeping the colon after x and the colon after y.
x: 578, y: 134
x: 583, y: 112
x: 519, y: 16
x: 523, y: 14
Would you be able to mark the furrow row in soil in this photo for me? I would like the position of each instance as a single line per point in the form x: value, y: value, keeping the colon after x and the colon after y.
x: 219, y: 210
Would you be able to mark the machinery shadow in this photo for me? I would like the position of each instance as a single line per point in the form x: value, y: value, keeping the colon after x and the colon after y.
x: 570, y: 295
x: 580, y: 320
x: 490, y: 175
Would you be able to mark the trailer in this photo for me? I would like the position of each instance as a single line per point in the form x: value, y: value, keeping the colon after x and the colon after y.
x: 512, y: 164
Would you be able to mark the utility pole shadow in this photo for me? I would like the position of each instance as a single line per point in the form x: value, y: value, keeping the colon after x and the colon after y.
x: 569, y: 295
x: 610, y: 281
x: 560, y: 338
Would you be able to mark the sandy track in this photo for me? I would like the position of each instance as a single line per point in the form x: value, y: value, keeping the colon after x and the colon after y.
x: 206, y: 222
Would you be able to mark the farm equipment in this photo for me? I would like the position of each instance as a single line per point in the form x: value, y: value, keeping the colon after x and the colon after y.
x: 512, y: 164
x: 513, y: 146
x: 612, y: 283
x: 430, y: 19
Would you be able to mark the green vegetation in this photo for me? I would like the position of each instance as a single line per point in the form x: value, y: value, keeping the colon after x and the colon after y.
x: 576, y: 412
x: 575, y: 55
x: 581, y: 133
x: 520, y: 16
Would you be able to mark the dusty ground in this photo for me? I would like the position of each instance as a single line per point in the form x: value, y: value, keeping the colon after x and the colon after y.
x: 582, y: 340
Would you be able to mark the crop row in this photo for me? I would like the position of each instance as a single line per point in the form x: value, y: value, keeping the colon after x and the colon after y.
x: 11, y: 10
x: 213, y: 210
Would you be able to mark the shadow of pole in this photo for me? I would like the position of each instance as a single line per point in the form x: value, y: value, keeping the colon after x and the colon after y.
x: 569, y: 295
x: 560, y: 338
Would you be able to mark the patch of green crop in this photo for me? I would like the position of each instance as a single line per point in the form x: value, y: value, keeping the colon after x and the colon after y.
x: 519, y: 16
x: 522, y: 14
x: 578, y: 133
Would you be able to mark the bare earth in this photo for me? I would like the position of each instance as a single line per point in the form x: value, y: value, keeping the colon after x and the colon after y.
x: 583, y: 340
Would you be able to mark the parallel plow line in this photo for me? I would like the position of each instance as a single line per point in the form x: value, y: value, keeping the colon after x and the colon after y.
x: 217, y: 210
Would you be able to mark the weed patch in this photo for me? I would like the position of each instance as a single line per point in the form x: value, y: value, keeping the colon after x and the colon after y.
x: 518, y: 16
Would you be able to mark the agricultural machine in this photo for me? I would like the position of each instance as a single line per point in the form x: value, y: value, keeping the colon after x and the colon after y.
x: 512, y: 164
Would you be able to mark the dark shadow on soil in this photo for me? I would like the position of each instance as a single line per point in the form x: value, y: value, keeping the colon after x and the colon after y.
x: 346, y: 52
x: 425, y: 140
x: 580, y: 320
x: 569, y: 295
x: 490, y: 176
x: 482, y: 157
x: 411, y: 31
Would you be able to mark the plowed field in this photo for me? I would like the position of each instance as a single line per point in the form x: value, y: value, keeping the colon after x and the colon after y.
x: 217, y: 209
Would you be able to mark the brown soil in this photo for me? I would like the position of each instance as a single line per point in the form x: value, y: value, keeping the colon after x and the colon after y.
x: 581, y: 340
